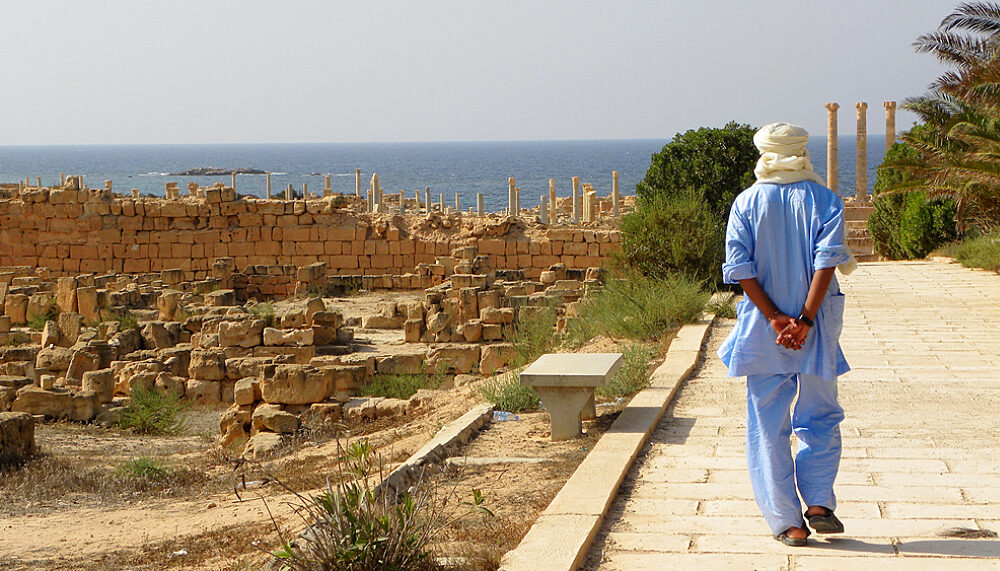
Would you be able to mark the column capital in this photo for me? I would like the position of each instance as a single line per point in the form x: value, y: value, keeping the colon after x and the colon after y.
x: 889, y: 105
x: 861, y: 106
x: 832, y: 106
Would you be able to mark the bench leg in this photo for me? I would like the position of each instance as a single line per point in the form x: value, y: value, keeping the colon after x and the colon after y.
x: 565, y: 405
x: 589, y: 409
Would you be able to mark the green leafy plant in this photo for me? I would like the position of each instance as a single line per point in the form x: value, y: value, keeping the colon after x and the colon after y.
x: 360, y: 525
x: 153, y: 412
x: 632, y: 375
x: 143, y: 468
x: 265, y: 311
x: 637, y: 307
x: 533, y: 334
x: 673, y: 233
x: 399, y: 386
x: 505, y: 392
x: 982, y: 251
x: 715, y: 163
x: 37, y: 322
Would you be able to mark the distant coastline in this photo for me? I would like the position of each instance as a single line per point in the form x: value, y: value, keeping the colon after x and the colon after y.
x: 216, y: 171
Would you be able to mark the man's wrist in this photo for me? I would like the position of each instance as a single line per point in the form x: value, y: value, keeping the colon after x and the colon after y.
x: 805, y: 319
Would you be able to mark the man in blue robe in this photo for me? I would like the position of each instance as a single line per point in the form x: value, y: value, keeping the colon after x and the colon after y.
x: 784, y: 239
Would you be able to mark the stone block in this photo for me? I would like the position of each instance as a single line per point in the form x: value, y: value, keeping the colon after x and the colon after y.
x: 167, y: 383
x: 220, y: 298
x: 263, y: 445
x: 203, y: 392
x: 472, y: 331
x: 438, y: 322
x: 87, y: 302
x: 17, y: 437
x: 40, y: 305
x: 55, y: 359
x: 400, y: 364
x: 495, y: 357
x: 245, y: 333
x: 101, y: 382
x: 326, y: 412
x: 293, y: 320
x: 234, y: 427
x: 168, y: 305
x: 66, y: 294
x: 288, y: 337
x: 413, y: 329
x: 155, y: 336
x: 295, y: 384
x: 271, y: 418
x: 207, y: 365
x: 381, y: 322
x: 69, y: 325
x: 80, y: 363
x: 457, y: 359
x: 16, y: 308
x: 492, y: 332
x: 50, y: 334
x: 246, y: 391
x: 57, y: 403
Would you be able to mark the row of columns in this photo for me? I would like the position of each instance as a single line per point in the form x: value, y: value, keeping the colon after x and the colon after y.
x: 832, y: 158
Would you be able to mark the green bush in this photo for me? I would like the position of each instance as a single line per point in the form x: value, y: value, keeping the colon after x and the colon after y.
x: 905, y: 225
x: 398, y: 386
x: 533, y: 334
x: 638, y: 307
x: 143, y: 468
x: 716, y: 163
x: 674, y: 233
x: 37, y: 322
x: 982, y: 251
x: 153, y: 412
x: 265, y: 311
x: 505, y: 392
x: 631, y: 377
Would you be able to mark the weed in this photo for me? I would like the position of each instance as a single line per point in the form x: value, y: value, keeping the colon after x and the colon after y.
x: 398, y: 386
x: 981, y: 251
x: 722, y: 305
x: 638, y: 307
x: 265, y: 311
x: 143, y: 468
x: 125, y: 318
x: 533, y: 334
x: 505, y: 392
x: 632, y: 375
x: 153, y: 412
x: 359, y: 525
x: 37, y: 322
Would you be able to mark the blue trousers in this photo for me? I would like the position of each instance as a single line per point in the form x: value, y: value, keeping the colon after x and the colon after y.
x: 816, y: 419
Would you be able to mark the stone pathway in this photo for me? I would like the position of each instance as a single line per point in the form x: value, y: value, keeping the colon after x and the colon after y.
x: 921, y: 443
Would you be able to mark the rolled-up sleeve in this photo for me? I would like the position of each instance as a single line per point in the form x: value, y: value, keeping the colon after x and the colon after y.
x: 739, y: 264
x: 830, y: 250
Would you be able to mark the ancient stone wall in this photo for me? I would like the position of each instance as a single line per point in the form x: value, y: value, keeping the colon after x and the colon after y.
x: 92, y: 231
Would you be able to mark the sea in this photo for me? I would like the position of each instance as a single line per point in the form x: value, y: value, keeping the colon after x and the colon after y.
x: 448, y: 168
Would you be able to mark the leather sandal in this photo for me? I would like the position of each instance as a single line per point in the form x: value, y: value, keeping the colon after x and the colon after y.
x: 825, y: 523
x: 793, y: 541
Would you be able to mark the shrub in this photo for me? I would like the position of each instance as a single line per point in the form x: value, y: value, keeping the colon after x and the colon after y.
x: 126, y: 320
x: 723, y: 306
x: 982, y: 251
x: 153, y: 412
x: 533, y: 334
x: 674, y: 233
x: 631, y: 376
x: 264, y: 311
x: 398, y: 386
x: 717, y: 163
x: 357, y: 525
x: 505, y: 392
x: 638, y: 307
x: 143, y: 468
x: 37, y: 322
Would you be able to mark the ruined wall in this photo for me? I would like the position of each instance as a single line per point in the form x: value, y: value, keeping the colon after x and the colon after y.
x: 89, y: 231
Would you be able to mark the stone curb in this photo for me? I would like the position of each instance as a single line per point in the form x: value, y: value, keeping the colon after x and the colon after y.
x: 561, y: 536
x: 447, y: 440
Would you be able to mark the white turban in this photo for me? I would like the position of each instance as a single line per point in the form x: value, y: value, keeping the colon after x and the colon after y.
x: 783, y: 154
x: 784, y: 159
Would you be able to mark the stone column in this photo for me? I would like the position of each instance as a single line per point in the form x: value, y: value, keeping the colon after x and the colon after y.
x: 357, y: 182
x: 107, y: 184
x: 517, y: 201
x: 543, y: 209
x: 373, y: 190
x: 268, y: 185
x: 427, y: 199
x: 402, y: 202
x: 441, y: 201
x: 234, y: 179
x: 62, y: 180
x: 327, y: 191
x: 38, y: 179
x: 552, y: 195
x: 510, y: 196
x: 305, y: 191
x: 480, y: 206
x: 135, y: 193
x: 890, y: 124
x: 458, y: 207
x: 577, y: 209
x: 614, y: 193
x: 832, y: 159
x: 862, y: 160
x: 288, y: 192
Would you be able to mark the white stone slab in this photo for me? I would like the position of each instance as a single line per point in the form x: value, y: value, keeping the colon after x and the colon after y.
x: 571, y: 370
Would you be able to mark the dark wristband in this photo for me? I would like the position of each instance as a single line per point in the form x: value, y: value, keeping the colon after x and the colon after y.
x: 805, y: 320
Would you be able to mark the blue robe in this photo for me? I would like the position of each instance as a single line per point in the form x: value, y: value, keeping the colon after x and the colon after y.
x: 781, y: 234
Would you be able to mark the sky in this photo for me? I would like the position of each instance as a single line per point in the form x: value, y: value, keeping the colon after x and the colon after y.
x: 254, y: 71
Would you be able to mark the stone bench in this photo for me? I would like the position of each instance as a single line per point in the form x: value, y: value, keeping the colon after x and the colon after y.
x: 565, y: 382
